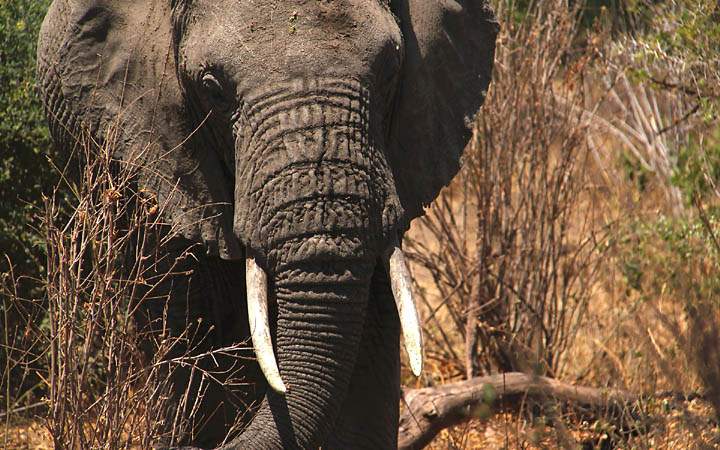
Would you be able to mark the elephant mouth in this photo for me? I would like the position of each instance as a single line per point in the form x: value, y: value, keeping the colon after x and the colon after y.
x: 394, y: 262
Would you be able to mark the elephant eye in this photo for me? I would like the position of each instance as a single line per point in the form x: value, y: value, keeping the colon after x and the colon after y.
x: 213, y: 89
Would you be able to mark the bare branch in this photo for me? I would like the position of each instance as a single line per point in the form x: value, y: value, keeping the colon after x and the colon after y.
x: 430, y: 410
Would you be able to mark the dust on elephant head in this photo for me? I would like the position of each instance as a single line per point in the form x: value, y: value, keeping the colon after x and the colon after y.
x: 302, y: 137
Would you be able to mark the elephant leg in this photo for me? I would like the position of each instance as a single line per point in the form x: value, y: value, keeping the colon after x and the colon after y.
x: 369, y: 416
x: 203, y: 311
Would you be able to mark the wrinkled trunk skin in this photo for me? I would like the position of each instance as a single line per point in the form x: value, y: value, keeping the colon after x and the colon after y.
x: 318, y: 335
x: 315, y: 203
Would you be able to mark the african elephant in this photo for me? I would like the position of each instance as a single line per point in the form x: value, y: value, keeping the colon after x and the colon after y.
x: 294, y: 142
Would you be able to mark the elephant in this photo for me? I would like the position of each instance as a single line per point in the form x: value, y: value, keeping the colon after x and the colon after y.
x: 292, y: 143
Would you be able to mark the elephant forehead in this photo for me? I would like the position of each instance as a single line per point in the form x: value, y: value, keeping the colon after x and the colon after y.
x: 266, y: 36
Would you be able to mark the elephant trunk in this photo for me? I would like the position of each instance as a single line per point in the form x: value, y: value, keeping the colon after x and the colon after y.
x: 315, y: 207
x: 319, y: 326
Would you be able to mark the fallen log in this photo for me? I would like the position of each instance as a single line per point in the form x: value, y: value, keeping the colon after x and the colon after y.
x: 430, y: 410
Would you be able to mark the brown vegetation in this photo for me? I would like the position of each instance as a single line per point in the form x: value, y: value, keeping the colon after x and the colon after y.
x: 106, y: 252
x: 576, y: 244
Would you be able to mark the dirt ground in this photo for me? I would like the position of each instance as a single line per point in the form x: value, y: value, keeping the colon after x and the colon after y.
x: 26, y: 435
x: 690, y: 428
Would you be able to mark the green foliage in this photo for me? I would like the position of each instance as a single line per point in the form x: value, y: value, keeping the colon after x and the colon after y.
x: 678, y: 54
x: 24, y: 138
x: 634, y: 171
x: 698, y: 168
x: 689, y: 31
x: 621, y: 16
x: 672, y: 257
x: 680, y: 51
x: 24, y: 175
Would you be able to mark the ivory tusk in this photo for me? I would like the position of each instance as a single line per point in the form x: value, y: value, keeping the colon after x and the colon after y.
x: 256, y: 282
x: 401, y: 285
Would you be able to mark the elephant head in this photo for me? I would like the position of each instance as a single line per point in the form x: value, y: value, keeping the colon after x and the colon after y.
x: 302, y: 137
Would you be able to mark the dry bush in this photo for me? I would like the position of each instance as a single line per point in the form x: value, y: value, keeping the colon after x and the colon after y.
x: 94, y: 350
x: 580, y: 239
x: 505, y: 256
x: 108, y: 373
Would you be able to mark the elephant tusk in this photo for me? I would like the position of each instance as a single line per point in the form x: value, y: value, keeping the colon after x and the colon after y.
x: 401, y: 285
x: 256, y: 282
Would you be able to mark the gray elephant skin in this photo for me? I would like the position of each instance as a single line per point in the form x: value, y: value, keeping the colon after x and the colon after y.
x: 292, y: 142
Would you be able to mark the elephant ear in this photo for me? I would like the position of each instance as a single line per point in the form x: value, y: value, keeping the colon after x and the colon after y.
x: 449, y: 51
x: 108, y: 67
